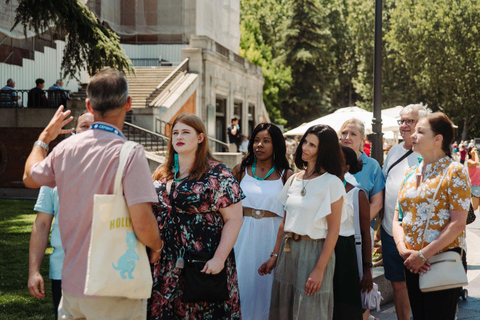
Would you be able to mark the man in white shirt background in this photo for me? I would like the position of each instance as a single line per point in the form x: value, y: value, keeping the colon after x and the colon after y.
x: 399, y: 159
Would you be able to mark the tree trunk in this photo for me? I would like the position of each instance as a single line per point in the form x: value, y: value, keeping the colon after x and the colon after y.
x: 467, y: 125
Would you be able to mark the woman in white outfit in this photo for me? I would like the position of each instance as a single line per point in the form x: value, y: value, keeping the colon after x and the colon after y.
x: 262, y: 175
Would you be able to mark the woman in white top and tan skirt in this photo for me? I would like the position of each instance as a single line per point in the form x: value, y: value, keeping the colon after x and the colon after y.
x: 314, y: 208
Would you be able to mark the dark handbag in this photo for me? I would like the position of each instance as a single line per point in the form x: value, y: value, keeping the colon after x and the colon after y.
x: 471, y: 214
x: 202, y: 287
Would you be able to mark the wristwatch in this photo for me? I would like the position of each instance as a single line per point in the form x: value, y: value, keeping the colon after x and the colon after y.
x: 368, y: 264
x: 273, y: 254
x: 41, y: 144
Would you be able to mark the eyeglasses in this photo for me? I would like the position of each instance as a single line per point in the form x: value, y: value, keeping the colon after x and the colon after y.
x: 408, y: 122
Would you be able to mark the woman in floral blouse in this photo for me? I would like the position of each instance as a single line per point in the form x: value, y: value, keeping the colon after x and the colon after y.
x: 199, y: 210
x: 432, y: 138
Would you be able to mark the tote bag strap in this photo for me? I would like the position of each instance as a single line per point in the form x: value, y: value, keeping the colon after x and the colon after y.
x: 124, y: 153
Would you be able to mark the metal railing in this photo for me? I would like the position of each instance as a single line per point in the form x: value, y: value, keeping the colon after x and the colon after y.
x: 221, y: 49
x: 238, y: 59
x: 4, y: 38
x: 145, y: 62
x: 151, y: 141
x: 153, y: 62
x: 219, y: 144
x: 170, y: 63
x: 53, y: 99
x: 182, y: 67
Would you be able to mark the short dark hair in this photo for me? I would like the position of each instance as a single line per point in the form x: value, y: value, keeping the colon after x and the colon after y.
x: 329, y: 155
x: 107, y: 90
x: 39, y: 81
x: 441, y: 124
x: 234, y: 119
x: 279, y: 148
x: 356, y: 164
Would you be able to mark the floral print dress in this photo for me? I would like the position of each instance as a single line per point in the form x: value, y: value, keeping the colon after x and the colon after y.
x: 197, y: 204
x: 454, y: 194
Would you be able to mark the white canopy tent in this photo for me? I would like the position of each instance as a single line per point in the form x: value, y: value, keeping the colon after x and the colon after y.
x: 337, y: 118
x: 392, y: 112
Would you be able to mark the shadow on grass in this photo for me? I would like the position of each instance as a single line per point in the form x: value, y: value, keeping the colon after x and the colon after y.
x: 16, y: 220
x: 19, y: 307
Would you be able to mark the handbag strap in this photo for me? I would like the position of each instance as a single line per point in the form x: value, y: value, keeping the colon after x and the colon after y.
x: 124, y: 153
x: 409, y: 152
x: 430, y: 209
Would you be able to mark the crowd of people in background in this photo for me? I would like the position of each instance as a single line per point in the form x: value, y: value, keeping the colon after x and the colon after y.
x: 37, y: 97
x: 284, y: 243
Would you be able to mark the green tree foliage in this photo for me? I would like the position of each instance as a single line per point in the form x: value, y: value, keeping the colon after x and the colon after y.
x: 361, y: 20
x: 260, y: 22
x: 341, y: 93
x: 438, y: 43
x: 431, y: 51
x: 90, y: 44
x: 308, y: 51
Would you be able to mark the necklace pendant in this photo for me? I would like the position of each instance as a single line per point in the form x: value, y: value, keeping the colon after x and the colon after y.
x: 180, y: 264
x: 303, y: 192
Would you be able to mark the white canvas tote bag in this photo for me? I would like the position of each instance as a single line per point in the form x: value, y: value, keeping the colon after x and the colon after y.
x: 118, y: 264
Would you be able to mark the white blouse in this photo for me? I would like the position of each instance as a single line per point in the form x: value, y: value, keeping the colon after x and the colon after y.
x: 307, y: 215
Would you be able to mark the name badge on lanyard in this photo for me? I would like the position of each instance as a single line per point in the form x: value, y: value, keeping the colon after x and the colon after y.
x: 106, y: 127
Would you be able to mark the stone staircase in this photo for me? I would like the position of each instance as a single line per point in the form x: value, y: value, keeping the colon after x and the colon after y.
x: 144, y: 82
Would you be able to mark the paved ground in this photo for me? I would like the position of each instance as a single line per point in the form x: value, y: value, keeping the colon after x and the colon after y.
x: 469, y: 309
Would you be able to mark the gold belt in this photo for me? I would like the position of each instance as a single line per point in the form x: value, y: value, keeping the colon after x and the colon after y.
x: 296, y: 237
x: 258, y: 214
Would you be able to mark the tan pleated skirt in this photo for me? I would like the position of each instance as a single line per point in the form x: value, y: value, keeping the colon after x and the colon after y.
x: 289, y: 301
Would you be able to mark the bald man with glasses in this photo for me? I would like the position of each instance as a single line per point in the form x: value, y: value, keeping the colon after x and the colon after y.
x: 399, y: 159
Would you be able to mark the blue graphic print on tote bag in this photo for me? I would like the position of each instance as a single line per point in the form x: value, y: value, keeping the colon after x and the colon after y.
x: 126, y: 263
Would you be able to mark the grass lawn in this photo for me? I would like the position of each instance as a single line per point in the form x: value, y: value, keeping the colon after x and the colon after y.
x: 16, y: 220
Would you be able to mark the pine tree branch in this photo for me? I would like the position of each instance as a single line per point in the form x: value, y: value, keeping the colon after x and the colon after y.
x: 90, y: 45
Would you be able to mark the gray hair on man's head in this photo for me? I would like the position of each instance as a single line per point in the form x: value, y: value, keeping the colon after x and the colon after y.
x: 10, y: 81
x: 59, y: 81
x: 107, y: 90
x: 421, y: 109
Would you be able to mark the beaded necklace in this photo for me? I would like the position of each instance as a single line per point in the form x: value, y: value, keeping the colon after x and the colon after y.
x: 253, y: 171
x: 176, y: 166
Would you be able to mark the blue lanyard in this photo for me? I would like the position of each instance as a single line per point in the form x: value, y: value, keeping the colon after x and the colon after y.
x: 106, y: 127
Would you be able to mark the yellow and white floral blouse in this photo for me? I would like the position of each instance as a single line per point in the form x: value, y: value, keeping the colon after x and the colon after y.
x: 454, y: 194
